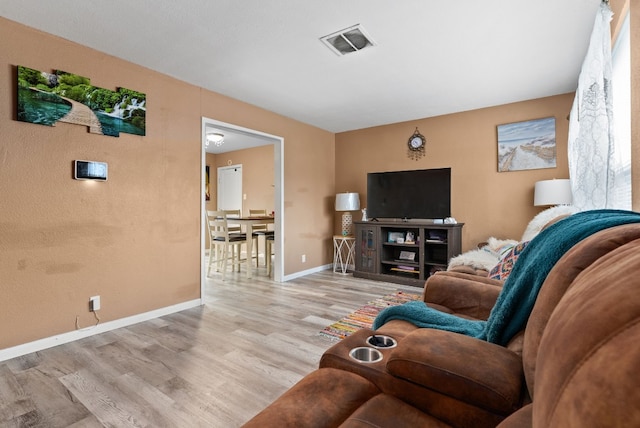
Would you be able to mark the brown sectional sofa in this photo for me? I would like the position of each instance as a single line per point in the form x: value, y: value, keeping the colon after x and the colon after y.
x: 573, y: 365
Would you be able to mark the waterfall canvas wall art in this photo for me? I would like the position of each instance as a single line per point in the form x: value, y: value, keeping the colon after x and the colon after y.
x: 527, y: 145
x: 47, y: 98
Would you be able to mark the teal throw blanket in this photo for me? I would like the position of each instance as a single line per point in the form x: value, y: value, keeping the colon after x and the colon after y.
x: 515, y: 301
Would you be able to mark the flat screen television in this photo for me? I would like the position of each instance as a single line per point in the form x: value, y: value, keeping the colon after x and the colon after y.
x: 418, y: 194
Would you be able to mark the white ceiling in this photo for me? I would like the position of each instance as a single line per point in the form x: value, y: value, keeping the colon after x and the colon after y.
x: 431, y: 57
x: 234, y: 138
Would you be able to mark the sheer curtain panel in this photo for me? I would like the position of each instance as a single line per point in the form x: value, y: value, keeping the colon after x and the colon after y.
x: 591, y: 132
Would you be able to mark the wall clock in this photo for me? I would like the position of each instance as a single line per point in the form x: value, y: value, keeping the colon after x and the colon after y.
x: 416, y: 145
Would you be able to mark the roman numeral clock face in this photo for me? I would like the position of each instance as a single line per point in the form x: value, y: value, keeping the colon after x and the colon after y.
x: 416, y: 145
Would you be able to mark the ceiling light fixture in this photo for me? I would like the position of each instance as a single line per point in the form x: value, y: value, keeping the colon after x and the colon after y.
x: 215, y: 138
x: 352, y: 39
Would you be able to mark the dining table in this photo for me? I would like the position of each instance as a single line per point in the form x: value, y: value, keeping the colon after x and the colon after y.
x: 248, y: 223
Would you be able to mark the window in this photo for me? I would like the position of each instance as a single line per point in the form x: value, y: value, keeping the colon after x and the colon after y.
x: 621, y: 91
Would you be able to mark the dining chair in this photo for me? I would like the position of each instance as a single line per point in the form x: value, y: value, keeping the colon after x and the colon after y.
x: 235, y: 230
x: 223, y: 243
x: 259, y: 230
x: 269, y: 242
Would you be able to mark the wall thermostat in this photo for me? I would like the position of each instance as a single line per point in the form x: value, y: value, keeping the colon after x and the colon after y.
x: 90, y: 170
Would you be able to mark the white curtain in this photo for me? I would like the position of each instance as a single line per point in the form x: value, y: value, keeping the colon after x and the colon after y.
x: 591, y: 142
x: 621, y: 65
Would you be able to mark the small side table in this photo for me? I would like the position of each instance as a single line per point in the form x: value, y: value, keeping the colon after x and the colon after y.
x: 343, y: 253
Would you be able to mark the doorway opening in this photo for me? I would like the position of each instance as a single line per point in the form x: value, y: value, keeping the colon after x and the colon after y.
x: 246, y: 138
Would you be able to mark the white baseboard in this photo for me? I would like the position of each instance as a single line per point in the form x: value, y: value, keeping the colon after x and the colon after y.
x: 49, y: 342
x: 306, y: 272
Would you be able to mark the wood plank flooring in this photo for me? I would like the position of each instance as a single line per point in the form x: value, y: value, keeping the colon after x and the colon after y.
x: 212, y: 366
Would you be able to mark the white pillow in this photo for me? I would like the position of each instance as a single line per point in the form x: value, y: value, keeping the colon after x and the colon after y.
x: 501, y: 246
x: 477, y: 259
x: 544, y: 217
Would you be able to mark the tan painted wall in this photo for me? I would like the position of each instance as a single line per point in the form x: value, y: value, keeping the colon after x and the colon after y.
x: 490, y: 203
x: 210, y: 161
x: 134, y: 240
x: 257, y: 176
x: 309, y: 178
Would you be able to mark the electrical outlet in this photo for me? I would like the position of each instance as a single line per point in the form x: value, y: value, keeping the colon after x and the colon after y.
x: 94, y: 303
x: 304, y: 258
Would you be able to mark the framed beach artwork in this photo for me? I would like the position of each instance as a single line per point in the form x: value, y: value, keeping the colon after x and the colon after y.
x: 527, y: 145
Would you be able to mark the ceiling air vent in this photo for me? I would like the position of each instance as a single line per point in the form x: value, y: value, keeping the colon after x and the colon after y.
x: 352, y: 39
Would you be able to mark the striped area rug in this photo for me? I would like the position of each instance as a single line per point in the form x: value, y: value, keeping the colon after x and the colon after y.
x: 363, y: 317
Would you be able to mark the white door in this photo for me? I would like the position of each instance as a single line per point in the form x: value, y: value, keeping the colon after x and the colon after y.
x: 230, y: 188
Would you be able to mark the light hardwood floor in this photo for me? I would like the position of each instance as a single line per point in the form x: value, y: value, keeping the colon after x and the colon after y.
x: 212, y: 366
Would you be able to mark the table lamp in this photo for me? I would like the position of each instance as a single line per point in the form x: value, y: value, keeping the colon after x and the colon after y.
x: 347, y: 202
x: 552, y: 192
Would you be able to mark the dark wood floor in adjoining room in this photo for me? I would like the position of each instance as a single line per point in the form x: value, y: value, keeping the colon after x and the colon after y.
x: 212, y: 366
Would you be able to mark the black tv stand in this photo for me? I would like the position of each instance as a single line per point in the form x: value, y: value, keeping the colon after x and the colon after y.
x: 383, y: 252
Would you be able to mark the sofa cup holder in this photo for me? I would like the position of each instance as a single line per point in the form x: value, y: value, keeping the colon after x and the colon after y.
x: 365, y: 354
x: 379, y: 341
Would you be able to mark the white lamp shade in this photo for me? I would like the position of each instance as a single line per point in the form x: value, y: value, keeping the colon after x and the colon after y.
x: 552, y: 192
x: 347, y: 202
